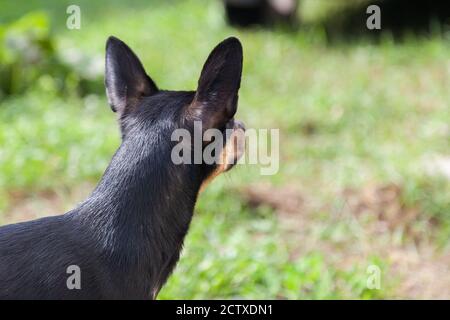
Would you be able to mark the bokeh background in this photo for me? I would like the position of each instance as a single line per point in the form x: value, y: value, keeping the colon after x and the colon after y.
x: 364, y: 139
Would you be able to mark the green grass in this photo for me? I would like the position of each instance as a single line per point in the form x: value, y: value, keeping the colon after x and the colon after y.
x: 349, y: 116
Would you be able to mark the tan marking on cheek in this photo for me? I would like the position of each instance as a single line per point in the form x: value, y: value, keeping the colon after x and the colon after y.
x: 210, y: 178
x: 219, y: 169
x: 228, y: 154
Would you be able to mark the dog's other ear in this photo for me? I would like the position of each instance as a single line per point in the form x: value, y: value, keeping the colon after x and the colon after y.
x: 215, y: 101
x: 125, y: 78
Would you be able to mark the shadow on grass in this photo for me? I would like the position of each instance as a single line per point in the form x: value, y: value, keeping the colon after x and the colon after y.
x: 399, y: 18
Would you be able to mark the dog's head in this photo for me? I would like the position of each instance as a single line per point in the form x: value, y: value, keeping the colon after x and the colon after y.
x: 150, y: 116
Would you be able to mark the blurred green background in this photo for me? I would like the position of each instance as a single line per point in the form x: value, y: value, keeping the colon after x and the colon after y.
x: 364, y: 145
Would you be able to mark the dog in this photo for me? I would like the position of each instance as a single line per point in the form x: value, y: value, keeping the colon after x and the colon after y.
x: 125, y: 239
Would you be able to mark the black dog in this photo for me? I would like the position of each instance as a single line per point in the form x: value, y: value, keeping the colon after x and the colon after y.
x: 127, y: 236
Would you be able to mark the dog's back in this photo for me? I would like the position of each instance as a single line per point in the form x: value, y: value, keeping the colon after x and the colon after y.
x: 50, y: 245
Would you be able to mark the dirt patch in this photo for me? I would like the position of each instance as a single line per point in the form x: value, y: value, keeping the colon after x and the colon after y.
x: 285, y: 200
x: 369, y: 221
x: 424, y: 273
x: 384, y: 203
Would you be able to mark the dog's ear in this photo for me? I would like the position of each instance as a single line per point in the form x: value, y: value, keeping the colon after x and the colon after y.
x: 215, y: 101
x: 125, y: 78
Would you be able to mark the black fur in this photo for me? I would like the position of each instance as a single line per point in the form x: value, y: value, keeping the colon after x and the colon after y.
x: 127, y: 236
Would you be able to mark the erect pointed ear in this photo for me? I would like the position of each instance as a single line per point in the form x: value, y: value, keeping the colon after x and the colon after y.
x: 125, y: 78
x: 215, y: 101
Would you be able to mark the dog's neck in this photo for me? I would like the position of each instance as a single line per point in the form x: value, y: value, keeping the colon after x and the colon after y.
x: 141, y: 209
